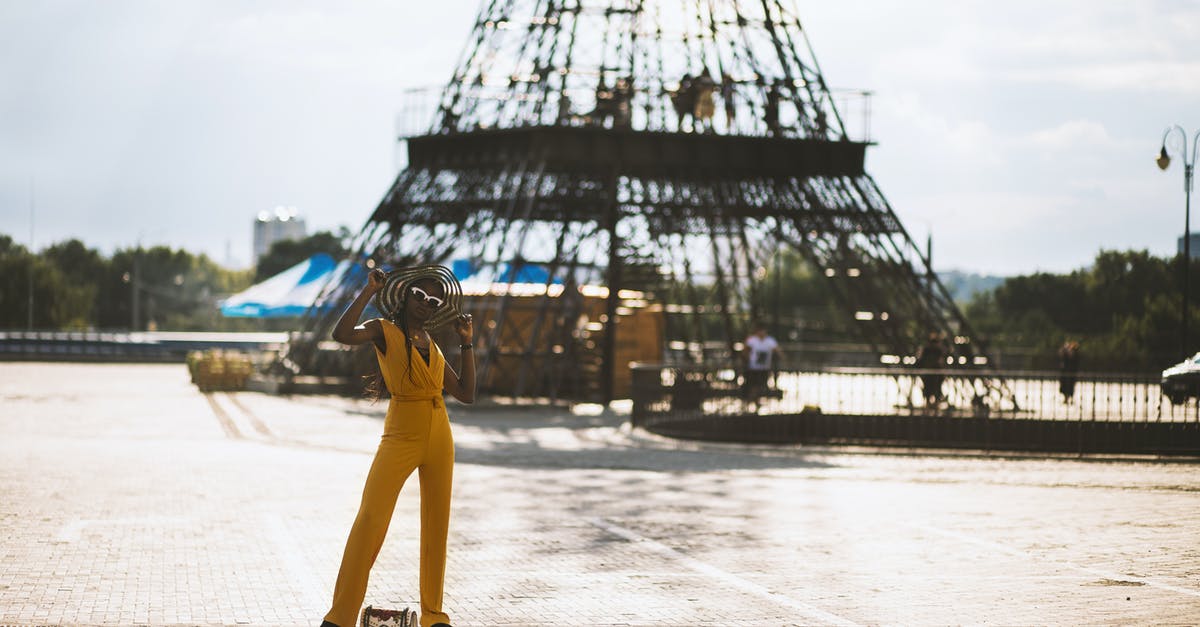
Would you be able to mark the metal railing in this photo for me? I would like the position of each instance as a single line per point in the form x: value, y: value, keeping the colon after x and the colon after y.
x: 417, y: 112
x: 1109, y: 413
x: 148, y: 346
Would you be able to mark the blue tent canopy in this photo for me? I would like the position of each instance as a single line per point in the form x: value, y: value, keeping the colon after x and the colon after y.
x: 291, y: 292
x: 524, y: 272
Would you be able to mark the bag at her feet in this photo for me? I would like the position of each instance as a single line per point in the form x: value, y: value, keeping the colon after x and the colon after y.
x: 379, y: 617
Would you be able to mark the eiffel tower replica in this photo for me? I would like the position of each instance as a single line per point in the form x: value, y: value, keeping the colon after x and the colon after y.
x: 657, y: 154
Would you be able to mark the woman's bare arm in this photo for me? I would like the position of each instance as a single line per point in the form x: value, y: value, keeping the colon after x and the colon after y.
x: 347, y: 330
x: 462, y: 387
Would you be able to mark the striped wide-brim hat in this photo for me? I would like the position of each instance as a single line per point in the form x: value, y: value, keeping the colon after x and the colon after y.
x: 390, y: 298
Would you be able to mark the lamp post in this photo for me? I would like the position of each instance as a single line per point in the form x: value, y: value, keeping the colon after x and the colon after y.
x: 1163, y: 162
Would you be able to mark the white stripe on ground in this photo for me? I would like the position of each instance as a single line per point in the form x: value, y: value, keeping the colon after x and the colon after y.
x: 996, y: 546
x: 241, y: 423
x: 238, y: 418
x: 245, y: 424
x: 808, y: 611
x: 254, y: 420
x: 227, y: 423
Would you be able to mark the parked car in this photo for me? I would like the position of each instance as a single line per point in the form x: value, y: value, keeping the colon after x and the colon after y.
x: 1182, y: 381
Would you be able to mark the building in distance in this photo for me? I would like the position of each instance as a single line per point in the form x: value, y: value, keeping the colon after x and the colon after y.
x: 272, y: 226
x: 1193, y: 246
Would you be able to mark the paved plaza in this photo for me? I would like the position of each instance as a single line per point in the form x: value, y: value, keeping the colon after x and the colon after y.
x: 129, y: 497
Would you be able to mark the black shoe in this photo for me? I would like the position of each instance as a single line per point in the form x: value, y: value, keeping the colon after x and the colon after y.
x: 326, y: 623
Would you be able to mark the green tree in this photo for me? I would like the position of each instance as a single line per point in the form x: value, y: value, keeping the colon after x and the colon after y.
x: 77, y: 287
x: 82, y: 268
x: 1124, y: 309
x: 58, y: 302
x: 176, y: 290
x: 791, y: 290
x: 15, y: 263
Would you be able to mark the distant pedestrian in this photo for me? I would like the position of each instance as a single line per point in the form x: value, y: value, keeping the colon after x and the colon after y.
x: 728, y: 93
x: 932, y: 356
x: 822, y: 123
x: 1068, y: 370
x: 702, y: 89
x: 606, y: 104
x: 759, y: 357
x: 771, y: 109
x: 683, y: 99
x: 622, y: 99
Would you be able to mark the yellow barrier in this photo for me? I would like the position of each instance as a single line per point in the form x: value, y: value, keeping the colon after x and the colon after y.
x: 215, y: 370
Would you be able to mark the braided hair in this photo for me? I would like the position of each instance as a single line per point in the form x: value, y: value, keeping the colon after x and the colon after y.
x: 400, y: 319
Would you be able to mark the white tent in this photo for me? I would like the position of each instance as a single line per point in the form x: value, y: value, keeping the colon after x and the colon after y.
x: 289, y: 293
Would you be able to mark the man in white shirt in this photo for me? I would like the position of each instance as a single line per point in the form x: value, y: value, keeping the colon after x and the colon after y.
x: 759, y: 356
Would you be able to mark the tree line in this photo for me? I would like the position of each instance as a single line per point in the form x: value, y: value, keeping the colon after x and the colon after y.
x: 76, y: 287
x: 1124, y: 308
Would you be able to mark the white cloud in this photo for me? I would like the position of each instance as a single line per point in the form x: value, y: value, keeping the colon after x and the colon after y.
x: 943, y: 136
x: 1086, y: 44
x: 1072, y: 135
x: 1180, y: 78
x: 1021, y: 133
x: 350, y: 43
x: 1048, y: 198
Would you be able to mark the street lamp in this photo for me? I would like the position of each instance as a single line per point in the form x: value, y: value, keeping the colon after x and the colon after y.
x: 1163, y: 161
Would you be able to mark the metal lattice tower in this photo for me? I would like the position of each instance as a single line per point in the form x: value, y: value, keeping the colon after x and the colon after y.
x: 671, y: 146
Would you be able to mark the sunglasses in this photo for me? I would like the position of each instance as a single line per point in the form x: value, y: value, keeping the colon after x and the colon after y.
x: 433, y: 302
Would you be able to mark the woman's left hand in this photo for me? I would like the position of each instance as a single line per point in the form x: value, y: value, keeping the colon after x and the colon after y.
x: 465, y: 328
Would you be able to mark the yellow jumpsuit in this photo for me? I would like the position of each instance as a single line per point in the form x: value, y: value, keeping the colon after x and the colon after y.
x: 416, y: 435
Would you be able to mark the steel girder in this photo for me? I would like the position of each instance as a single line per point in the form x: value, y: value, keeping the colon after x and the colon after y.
x: 673, y: 147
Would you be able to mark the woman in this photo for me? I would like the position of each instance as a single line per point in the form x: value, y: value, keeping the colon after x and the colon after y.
x: 416, y: 432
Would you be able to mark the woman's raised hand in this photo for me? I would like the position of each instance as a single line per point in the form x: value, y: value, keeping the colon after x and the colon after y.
x: 375, y: 280
x: 465, y: 328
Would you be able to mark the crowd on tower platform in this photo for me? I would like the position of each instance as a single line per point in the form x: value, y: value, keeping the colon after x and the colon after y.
x: 694, y: 102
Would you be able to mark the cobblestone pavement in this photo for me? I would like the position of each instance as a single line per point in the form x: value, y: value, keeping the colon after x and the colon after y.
x: 128, y: 497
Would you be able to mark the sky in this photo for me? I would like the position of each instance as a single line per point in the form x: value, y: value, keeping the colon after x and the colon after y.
x: 1020, y: 135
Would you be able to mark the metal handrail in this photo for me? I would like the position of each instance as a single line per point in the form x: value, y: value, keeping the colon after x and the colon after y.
x: 899, y: 391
